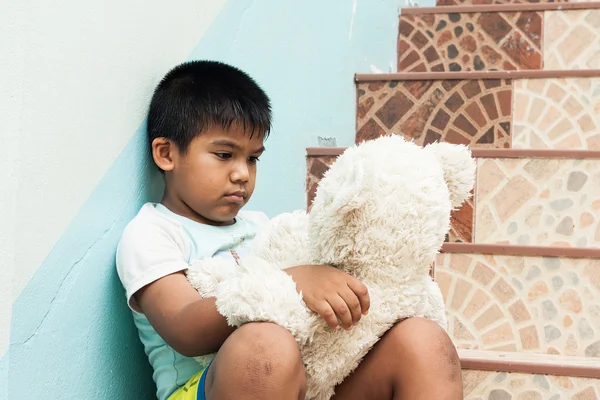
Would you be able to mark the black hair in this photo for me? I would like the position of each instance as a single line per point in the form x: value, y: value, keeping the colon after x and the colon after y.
x: 197, y: 95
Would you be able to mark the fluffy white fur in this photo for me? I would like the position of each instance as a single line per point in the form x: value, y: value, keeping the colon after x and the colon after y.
x: 380, y: 214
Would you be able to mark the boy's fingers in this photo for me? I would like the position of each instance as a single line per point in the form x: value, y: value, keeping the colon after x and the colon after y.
x: 326, y: 312
x: 341, y: 310
x: 353, y: 304
x: 362, y: 292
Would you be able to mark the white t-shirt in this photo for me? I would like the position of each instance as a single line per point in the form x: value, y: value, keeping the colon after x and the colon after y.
x: 158, y: 242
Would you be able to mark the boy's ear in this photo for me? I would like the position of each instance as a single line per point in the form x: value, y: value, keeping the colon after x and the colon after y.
x: 163, y: 153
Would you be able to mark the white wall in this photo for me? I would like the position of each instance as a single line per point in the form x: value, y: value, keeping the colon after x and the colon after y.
x: 76, y: 79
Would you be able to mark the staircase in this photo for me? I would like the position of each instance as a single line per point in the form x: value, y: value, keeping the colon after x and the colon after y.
x: 519, y: 82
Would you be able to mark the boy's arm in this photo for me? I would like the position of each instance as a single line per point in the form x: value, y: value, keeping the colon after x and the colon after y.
x: 187, y: 322
x: 192, y: 325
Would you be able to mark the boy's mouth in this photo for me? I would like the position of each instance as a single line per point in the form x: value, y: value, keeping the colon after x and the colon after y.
x: 236, y: 197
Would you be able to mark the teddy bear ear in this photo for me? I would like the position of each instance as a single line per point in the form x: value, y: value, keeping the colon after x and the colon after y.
x: 459, y: 169
x: 339, y: 188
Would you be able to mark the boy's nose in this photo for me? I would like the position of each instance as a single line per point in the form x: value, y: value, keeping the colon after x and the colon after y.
x: 240, y: 173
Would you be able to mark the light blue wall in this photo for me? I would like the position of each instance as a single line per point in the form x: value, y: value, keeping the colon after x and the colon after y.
x: 72, y: 335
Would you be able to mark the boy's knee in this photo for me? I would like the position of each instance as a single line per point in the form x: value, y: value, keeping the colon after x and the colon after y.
x: 268, y: 350
x: 269, y: 340
x: 425, y: 343
x: 258, y: 358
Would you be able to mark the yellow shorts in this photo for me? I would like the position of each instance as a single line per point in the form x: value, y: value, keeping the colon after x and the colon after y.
x: 193, y: 389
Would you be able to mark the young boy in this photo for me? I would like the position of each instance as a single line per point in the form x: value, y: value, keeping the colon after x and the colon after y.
x: 206, y: 127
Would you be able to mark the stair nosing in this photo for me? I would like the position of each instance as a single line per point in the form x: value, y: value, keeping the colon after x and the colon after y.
x: 513, y: 7
x: 477, y: 75
x: 485, y: 153
x: 519, y: 362
x: 520, y: 250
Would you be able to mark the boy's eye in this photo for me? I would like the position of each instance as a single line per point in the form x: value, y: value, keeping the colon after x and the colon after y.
x: 223, y: 156
x: 253, y: 160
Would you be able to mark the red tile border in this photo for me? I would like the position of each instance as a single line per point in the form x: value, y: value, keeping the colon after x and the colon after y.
x: 324, y: 151
x: 516, y: 250
x: 489, y: 2
x: 500, y: 8
x: 477, y: 75
x: 529, y: 363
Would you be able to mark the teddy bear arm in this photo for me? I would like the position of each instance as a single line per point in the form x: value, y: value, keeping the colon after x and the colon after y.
x: 284, y: 240
x: 262, y: 292
x: 205, y: 275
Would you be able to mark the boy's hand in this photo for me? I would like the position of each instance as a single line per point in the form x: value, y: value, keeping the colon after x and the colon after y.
x: 332, y: 294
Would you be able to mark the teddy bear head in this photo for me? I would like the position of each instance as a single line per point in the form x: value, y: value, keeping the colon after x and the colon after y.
x: 386, y: 203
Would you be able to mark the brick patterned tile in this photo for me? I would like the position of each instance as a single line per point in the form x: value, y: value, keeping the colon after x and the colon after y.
x: 522, y: 304
x: 538, y: 202
x: 316, y: 168
x: 461, y: 220
x: 479, y: 385
x: 572, y: 39
x: 560, y: 113
x: 472, y: 112
x: 461, y: 223
x: 470, y: 42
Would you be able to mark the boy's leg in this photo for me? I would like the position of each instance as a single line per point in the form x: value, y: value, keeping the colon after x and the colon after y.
x: 414, y: 360
x: 258, y: 361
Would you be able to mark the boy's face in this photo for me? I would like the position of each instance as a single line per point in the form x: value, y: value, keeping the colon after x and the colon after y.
x: 215, y: 178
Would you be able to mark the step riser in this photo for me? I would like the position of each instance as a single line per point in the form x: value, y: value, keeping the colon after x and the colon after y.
x: 492, y: 41
x: 542, y: 202
x: 484, y: 113
x: 484, y: 385
x: 522, y: 304
x: 470, y: 42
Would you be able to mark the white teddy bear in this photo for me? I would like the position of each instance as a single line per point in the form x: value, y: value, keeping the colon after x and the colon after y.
x: 380, y: 214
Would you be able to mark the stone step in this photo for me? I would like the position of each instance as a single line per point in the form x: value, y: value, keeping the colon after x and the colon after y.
x: 542, y: 364
x: 522, y: 197
x: 506, y: 376
x: 534, y: 303
x: 502, y: 109
x: 545, y: 36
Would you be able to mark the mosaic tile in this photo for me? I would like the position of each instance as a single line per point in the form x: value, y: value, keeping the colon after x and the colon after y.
x: 490, y: 385
x: 461, y: 220
x: 316, y: 167
x: 572, y: 39
x: 461, y: 223
x: 522, y: 304
x: 561, y: 113
x: 472, y: 112
x: 539, y: 202
x: 470, y: 42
